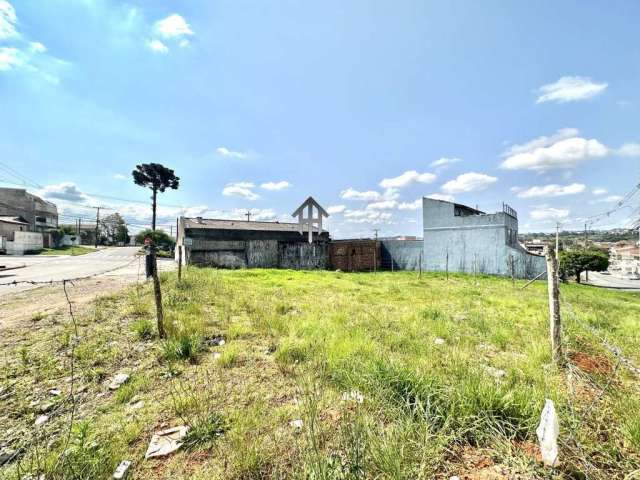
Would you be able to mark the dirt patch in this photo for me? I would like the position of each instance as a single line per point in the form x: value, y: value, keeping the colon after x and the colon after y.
x: 21, y: 307
x: 469, y: 463
x: 594, y: 364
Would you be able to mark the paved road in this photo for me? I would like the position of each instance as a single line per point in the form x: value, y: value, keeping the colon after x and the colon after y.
x: 609, y: 281
x: 116, y: 261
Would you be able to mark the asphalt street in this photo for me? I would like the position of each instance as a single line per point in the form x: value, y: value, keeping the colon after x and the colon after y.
x: 115, y: 261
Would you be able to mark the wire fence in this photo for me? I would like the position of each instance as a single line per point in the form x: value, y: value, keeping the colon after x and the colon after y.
x: 69, y: 404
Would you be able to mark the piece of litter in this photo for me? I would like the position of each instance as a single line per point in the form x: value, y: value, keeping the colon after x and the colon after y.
x: 548, y: 432
x: 41, y: 419
x: 118, y: 380
x: 495, y: 372
x: 354, y: 396
x: 216, y: 341
x: 297, y: 424
x: 439, y: 341
x: 122, y: 470
x: 166, y: 441
x: 54, y: 392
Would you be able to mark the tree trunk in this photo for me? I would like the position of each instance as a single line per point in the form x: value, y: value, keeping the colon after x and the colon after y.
x: 578, y: 277
x: 153, y: 207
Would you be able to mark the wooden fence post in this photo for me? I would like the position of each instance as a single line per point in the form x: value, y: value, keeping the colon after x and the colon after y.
x: 512, y: 265
x: 555, y: 324
x: 157, y: 293
x: 179, y: 263
x: 447, y: 264
x: 420, y: 265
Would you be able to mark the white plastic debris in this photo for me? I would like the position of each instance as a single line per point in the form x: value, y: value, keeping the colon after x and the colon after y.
x: 54, y: 392
x: 41, y: 420
x: 548, y: 432
x: 297, y: 424
x: 122, y: 470
x: 166, y: 441
x: 118, y: 380
x: 439, y: 341
x: 353, y: 396
x: 495, y: 372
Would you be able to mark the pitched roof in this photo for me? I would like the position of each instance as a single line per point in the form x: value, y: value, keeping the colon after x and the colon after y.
x: 219, y: 224
x: 14, y: 220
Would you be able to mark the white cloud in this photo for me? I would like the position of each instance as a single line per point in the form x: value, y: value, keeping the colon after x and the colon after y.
x: 444, y: 162
x: 120, y: 176
x: 367, y: 216
x: 275, y: 185
x: 67, y: 191
x: 415, y: 205
x: 333, y: 209
x: 225, y: 152
x: 8, y: 20
x: 468, y: 182
x: 184, y: 43
x: 173, y: 26
x: 570, y: 89
x: 37, y: 47
x: 240, y: 189
x: 552, y: 190
x: 407, y: 178
x: 549, y: 213
x: 608, y: 199
x: 542, y: 141
x: 441, y: 196
x: 368, y: 196
x: 10, y: 58
x: 565, y: 153
x: 599, y: 191
x: 629, y: 150
x: 382, y: 205
x: 157, y: 46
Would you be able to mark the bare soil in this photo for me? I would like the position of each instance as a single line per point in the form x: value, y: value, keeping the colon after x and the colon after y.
x: 20, y: 308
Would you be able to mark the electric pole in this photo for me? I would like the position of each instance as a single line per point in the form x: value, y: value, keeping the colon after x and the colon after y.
x: 98, y: 222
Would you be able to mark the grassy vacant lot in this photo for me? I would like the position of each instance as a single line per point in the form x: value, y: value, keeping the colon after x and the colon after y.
x: 453, y: 376
x: 66, y: 250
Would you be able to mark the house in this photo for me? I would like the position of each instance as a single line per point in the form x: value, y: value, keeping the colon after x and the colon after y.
x: 86, y: 232
x: 459, y: 238
x: 15, y: 237
x: 624, y: 261
x: 38, y: 213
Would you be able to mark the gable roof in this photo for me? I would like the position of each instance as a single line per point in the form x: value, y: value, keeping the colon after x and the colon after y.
x: 310, y: 200
x: 220, y: 224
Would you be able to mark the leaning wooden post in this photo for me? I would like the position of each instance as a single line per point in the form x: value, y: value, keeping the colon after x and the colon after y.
x: 555, y: 324
x: 179, y: 263
x: 157, y: 292
x: 512, y: 265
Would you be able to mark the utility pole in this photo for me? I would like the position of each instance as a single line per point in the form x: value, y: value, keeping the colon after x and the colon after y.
x: 375, y: 249
x: 97, y: 223
x: 248, y: 215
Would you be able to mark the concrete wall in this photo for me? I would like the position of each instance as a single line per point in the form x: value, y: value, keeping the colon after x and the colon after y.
x: 24, y: 242
x: 257, y: 254
x: 482, y: 243
x: 401, y: 254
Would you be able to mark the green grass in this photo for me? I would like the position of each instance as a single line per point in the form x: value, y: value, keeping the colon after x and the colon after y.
x: 66, y: 250
x: 296, y: 341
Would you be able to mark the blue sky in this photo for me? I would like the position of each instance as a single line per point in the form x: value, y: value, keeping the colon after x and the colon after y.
x: 366, y: 105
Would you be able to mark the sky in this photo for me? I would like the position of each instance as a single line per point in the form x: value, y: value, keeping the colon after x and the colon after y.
x: 366, y: 105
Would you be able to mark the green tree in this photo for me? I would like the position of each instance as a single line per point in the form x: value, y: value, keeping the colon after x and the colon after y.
x: 574, y: 262
x: 160, y: 238
x: 115, y: 229
x: 158, y: 178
